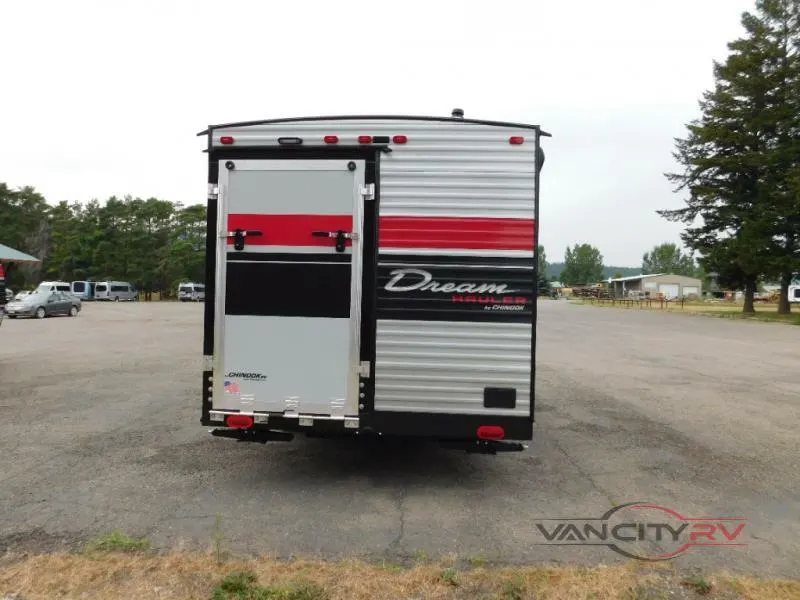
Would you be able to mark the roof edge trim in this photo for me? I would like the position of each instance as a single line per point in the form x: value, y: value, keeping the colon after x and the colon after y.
x: 536, y: 128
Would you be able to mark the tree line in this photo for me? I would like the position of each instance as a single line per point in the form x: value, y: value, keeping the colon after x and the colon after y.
x: 583, y: 264
x: 150, y: 243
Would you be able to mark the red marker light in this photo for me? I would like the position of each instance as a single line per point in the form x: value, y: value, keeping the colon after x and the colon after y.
x: 491, y: 432
x: 240, y: 421
x: 516, y: 140
x: 331, y: 139
x: 400, y: 139
x: 226, y: 139
x: 364, y: 139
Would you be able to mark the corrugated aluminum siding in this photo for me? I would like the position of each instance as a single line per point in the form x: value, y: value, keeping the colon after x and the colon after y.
x: 442, y: 367
x: 445, y: 169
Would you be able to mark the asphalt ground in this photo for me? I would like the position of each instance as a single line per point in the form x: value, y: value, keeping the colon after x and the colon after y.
x: 100, y: 430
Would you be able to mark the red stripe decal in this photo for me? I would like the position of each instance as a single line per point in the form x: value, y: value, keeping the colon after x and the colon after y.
x: 467, y: 233
x: 289, y: 230
x: 458, y: 233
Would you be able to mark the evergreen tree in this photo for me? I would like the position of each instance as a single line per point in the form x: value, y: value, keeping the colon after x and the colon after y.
x: 738, y: 155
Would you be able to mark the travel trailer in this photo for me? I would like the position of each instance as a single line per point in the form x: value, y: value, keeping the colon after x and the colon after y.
x: 372, y: 276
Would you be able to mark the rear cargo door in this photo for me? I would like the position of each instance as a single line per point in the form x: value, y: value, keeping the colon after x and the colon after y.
x: 287, y: 316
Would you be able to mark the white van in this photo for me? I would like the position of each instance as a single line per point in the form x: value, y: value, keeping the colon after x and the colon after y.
x: 794, y: 293
x: 114, y: 290
x: 191, y: 292
x: 55, y: 286
x: 83, y: 289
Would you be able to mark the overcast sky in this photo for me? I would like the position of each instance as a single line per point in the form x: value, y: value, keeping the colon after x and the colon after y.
x: 105, y: 98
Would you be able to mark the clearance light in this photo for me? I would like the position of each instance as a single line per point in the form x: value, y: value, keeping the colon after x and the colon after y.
x: 491, y: 432
x: 516, y: 140
x: 331, y: 139
x: 400, y: 139
x: 239, y: 421
x: 226, y: 139
x: 365, y: 139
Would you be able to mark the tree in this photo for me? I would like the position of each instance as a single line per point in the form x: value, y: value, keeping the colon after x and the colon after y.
x: 542, y: 260
x: 780, y: 21
x: 737, y: 156
x: 23, y: 225
x: 583, y: 264
x: 668, y: 258
x: 543, y: 283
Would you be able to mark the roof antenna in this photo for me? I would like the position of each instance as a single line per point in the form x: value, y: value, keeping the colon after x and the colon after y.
x: 458, y: 113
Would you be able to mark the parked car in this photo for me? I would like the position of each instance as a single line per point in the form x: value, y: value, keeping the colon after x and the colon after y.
x: 44, y: 303
x: 9, y: 294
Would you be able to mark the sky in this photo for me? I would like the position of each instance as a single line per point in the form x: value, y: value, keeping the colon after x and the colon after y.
x: 105, y: 98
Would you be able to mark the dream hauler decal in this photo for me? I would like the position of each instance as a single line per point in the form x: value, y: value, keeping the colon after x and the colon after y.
x: 425, y: 282
x: 455, y: 292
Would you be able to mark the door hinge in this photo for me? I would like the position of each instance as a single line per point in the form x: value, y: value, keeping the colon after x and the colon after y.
x: 213, y: 191
x: 363, y: 369
x: 368, y: 191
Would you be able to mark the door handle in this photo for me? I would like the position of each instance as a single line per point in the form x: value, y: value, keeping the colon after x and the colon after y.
x: 339, y: 235
x: 239, y: 235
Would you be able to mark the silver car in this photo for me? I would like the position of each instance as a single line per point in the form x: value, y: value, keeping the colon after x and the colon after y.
x: 42, y: 303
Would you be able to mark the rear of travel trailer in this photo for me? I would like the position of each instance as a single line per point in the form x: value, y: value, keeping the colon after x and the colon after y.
x: 372, y: 276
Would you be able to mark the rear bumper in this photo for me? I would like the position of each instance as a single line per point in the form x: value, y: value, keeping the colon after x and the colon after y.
x: 432, y: 426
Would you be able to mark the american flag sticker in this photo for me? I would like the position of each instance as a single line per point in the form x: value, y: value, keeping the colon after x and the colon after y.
x: 231, y: 387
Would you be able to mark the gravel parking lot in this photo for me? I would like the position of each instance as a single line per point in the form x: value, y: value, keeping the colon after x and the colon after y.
x: 100, y: 430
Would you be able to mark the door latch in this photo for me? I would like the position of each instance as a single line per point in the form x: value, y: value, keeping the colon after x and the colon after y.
x: 239, y: 234
x: 339, y: 235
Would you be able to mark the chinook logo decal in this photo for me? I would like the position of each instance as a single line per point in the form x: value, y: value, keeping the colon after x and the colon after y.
x: 246, y: 376
x: 423, y: 280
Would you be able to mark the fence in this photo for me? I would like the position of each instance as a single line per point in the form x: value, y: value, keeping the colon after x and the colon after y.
x: 638, y: 302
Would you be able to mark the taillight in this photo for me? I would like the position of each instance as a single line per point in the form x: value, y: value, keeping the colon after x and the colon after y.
x: 239, y: 421
x: 365, y: 139
x: 331, y: 139
x: 226, y: 139
x: 400, y: 139
x: 491, y: 432
x: 516, y: 140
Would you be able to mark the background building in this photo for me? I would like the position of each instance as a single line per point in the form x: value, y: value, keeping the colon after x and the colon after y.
x: 671, y: 286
